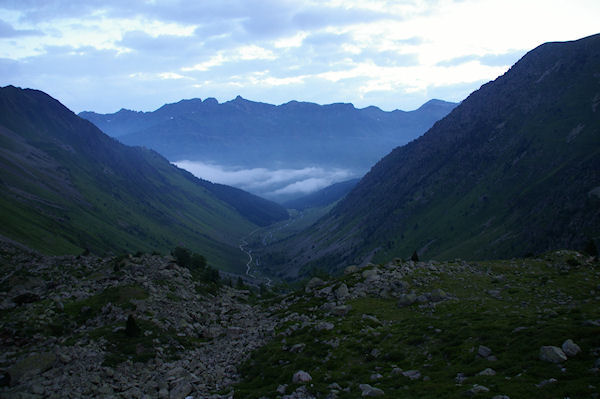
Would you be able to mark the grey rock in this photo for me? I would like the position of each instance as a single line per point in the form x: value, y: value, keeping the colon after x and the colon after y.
x: 300, y: 393
x: 313, y: 283
x: 477, y: 389
x: 501, y: 397
x: 570, y: 348
x: 368, y: 390
x: 371, y: 318
x: 351, y: 269
x: 281, y: 389
x: 370, y: 275
x: 301, y: 377
x: 341, y: 292
x: 422, y: 298
x: 484, y: 351
x: 412, y: 374
x: 324, y: 326
x: 488, y: 371
x: 297, y: 348
x: 552, y: 354
x: 407, y: 299
x: 438, y: 295
x: 546, y: 382
x: 341, y: 310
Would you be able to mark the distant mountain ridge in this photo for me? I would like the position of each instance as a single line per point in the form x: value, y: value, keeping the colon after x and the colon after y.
x: 250, y: 134
x: 513, y: 170
x: 67, y: 186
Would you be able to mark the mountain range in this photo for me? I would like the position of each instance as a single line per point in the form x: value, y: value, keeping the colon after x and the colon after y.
x: 513, y: 170
x: 243, y: 134
x: 66, y: 187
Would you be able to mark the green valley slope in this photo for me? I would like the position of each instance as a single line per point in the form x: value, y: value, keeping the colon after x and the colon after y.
x: 514, y: 169
x: 67, y: 186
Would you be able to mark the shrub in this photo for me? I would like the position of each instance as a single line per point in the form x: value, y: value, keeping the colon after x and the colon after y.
x: 414, y: 257
x: 131, y: 328
x: 183, y: 256
x: 198, y: 261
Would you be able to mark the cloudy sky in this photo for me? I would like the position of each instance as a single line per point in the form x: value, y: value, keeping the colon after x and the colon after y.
x: 102, y: 55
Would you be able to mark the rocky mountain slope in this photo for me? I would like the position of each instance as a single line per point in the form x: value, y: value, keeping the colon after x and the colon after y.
x: 514, y: 169
x: 143, y: 326
x: 251, y: 134
x: 67, y: 186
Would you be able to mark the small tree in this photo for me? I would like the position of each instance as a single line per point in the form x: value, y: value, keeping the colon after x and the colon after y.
x: 211, y: 275
x: 414, y: 257
x: 183, y: 256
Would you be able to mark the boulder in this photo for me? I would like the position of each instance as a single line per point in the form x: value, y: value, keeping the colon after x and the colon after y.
x: 341, y: 292
x: 370, y: 275
x: 301, y: 377
x: 407, y: 299
x: 341, y: 310
x: 484, y: 351
x: 313, y: 283
x: 488, y: 371
x: 477, y: 389
x: 281, y: 389
x: 438, y: 295
x: 552, y: 354
x: 351, y: 269
x: 368, y: 390
x: 570, y: 348
x: 412, y: 374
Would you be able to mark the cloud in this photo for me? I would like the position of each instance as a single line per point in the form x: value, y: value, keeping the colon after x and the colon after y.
x: 106, y: 54
x: 504, y: 59
x: 6, y: 30
x: 268, y: 182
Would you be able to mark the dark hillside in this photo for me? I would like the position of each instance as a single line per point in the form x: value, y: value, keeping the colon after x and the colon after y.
x: 67, y: 186
x: 514, y: 169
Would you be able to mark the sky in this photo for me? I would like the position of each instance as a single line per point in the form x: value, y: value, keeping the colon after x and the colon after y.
x: 104, y: 55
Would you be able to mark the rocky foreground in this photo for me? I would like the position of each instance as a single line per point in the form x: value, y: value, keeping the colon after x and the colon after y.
x: 64, y: 329
x: 144, y: 327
